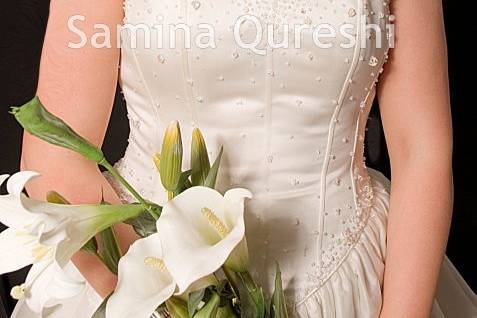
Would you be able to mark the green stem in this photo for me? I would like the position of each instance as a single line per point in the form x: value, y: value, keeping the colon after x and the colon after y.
x: 123, y: 181
x: 153, y: 211
x: 233, y: 280
x: 151, y: 208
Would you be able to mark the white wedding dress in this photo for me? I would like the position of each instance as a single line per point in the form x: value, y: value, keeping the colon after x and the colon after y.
x: 292, y: 124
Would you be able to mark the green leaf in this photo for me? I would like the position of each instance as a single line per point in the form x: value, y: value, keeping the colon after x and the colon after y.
x: 278, y: 307
x: 194, y: 301
x: 101, y: 311
x: 56, y: 198
x: 214, y: 170
x: 91, y: 246
x: 170, y: 167
x: 252, y: 300
x: 226, y: 311
x: 177, y: 307
x: 144, y: 224
x: 109, y: 250
x: 199, y: 158
x: 226, y: 292
x: 210, y: 308
x: 183, y: 182
x: 36, y: 120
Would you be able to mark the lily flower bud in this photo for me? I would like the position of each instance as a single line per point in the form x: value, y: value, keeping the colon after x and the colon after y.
x: 36, y: 120
x: 171, y: 157
x: 157, y: 161
x: 199, y: 158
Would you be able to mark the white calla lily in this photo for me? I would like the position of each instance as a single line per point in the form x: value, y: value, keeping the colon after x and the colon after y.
x: 200, y: 231
x: 47, y: 233
x: 144, y: 282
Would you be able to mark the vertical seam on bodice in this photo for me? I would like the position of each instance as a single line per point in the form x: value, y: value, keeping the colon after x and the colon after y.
x: 186, y: 70
x: 149, y: 95
x: 360, y: 126
x: 155, y: 111
x: 332, y: 125
x: 359, y: 194
x: 268, y: 122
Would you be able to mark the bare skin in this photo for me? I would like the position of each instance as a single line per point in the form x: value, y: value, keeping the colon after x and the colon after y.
x: 414, y: 101
x: 78, y: 85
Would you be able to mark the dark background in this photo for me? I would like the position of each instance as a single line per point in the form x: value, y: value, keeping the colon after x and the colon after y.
x: 22, y: 27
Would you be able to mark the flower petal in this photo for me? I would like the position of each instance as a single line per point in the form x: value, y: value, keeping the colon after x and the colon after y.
x: 4, y: 177
x: 12, y: 213
x: 65, y: 284
x: 17, y: 182
x: 235, y: 203
x: 186, y: 234
x: 237, y: 195
x: 16, y: 250
x: 142, y: 286
x: 186, y: 210
x: 47, y: 283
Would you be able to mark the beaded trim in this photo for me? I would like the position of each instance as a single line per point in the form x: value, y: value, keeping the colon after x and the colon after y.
x: 337, y: 253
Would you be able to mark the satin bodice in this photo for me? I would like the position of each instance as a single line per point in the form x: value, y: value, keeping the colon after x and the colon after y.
x: 291, y: 120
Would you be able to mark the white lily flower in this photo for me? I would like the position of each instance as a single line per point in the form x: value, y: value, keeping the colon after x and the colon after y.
x: 48, y: 284
x: 200, y: 231
x: 144, y: 282
x: 47, y: 235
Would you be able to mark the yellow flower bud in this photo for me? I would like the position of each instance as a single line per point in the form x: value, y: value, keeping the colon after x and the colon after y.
x: 157, y: 161
x: 199, y: 158
x: 171, y: 157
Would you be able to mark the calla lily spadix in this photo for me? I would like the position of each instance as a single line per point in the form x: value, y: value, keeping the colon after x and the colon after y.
x: 47, y: 234
x: 144, y: 282
x: 200, y: 231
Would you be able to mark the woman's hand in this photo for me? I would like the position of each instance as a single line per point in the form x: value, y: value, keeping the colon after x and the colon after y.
x: 414, y: 101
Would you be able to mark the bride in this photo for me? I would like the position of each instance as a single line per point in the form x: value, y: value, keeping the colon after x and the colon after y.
x: 292, y: 121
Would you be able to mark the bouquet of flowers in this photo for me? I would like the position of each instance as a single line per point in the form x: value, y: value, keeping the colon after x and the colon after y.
x: 192, y: 257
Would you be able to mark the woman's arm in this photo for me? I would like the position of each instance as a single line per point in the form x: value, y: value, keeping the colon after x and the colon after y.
x: 78, y: 85
x: 414, y: 99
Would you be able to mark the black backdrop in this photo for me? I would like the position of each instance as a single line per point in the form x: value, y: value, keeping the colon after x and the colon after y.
x: 22, y: 26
